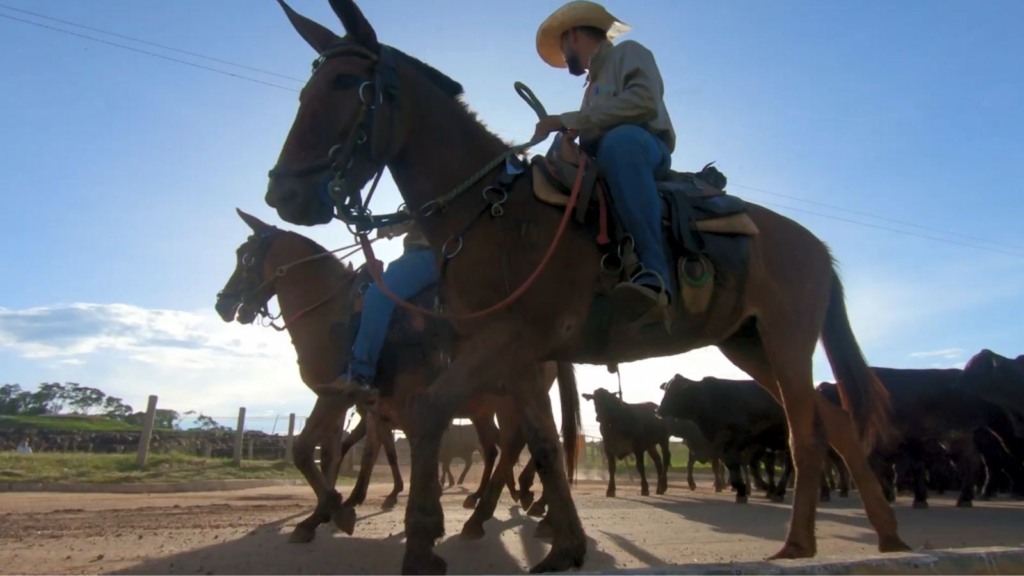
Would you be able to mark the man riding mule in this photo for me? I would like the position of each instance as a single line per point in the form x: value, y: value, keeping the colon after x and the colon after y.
x: 624, y: 124
x: 413, y: 271
x: 520, y: 285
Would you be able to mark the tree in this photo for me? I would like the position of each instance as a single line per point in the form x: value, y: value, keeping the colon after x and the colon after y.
x: 116, y: 409
x: 85, y: 399
x: 12, y: 397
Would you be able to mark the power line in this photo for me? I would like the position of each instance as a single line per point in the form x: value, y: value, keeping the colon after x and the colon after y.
x: 896, y: 230
x: 1002, y: 248
x: 148, y: 53
x: 154, y: 44
x: 882, y: 218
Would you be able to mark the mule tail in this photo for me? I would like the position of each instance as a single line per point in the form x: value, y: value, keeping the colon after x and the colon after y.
x: 572, y: 426
x: 860, y: 391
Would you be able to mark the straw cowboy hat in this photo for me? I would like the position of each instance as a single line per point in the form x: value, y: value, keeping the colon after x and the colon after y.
x: 571, y: 15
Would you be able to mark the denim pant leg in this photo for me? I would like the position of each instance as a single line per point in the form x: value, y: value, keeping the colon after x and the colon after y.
x: 411, y: 272
x: 629, y: 157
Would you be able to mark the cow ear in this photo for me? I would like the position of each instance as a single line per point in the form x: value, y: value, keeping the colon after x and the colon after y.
x: 588, y: 396
x: 664, y: 386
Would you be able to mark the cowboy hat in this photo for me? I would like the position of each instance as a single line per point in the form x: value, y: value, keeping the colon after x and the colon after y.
x: 571, y: 15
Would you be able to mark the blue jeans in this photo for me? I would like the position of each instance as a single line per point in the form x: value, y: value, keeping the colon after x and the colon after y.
x: 413, y: 271
x: 630, y: 158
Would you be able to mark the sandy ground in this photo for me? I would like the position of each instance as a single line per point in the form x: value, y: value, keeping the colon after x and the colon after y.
x: 246, y: 531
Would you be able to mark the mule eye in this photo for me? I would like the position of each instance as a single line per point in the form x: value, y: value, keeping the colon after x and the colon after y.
x: 248, y: 260
x: 346, y: 82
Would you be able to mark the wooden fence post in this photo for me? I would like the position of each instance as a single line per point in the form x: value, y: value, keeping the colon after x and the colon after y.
x: 252, y: 443
x: 289, y: 442
x: 239, y: 436
x: 147, y: 433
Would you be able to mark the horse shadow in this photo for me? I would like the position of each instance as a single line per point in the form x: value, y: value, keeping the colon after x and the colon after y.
x: 266, y: 550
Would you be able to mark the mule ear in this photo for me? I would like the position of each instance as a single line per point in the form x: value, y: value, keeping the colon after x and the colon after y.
x: 356, y: 25
x: 348, y: 266
x: 255, y: 223
x: 314, y: 34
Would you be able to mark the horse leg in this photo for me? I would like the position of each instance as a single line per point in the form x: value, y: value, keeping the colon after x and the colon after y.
x: 719, y: 474
x: 783, y: 367
x: 475, y: 361
x: 468, y: 459
x: 512, y: 443
x: 526, y: 482
x: 388, y: 440
x: 371, y: 450
x: 321, y: 427
x: 488, y: 435
x: 569, y: 544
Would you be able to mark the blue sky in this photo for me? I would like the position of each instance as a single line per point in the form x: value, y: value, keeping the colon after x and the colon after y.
x: 122, y: 170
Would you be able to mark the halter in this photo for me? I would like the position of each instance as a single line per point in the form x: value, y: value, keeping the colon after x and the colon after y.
x: 375, y: 93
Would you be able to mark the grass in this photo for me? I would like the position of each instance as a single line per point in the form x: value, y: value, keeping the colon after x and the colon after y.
x: 67, y: 423
x: 680, y: 453
x: 51, y: 467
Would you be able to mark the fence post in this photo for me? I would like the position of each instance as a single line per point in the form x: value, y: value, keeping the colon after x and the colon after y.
x: 147, y: 433
x: 252, y: 442
x: 289, y: 442
x: 239, y: 436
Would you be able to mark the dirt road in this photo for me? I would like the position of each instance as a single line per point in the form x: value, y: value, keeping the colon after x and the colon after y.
x: 246, y: 532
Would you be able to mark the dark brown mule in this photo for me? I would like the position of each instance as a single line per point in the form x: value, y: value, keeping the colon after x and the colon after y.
x: 318, y: 297
x: 368, y: 106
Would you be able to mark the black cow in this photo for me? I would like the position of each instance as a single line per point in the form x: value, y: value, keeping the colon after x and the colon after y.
x: 997, y: 379
x: 700, y: 450
x: 736, y: 416
x: 929, y: 410
x: 631, y: 429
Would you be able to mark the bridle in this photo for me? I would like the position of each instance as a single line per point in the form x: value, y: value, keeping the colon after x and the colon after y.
x: 376, y: 93
x: 252, y: 273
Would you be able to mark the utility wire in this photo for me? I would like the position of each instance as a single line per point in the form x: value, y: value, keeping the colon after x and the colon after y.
x: 148, y: 53
x: 1000, y: 248
x: 154, y: 44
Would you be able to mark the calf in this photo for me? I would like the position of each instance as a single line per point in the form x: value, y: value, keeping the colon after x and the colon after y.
x: 631, y: 429
x: 459, y: 441
x: 700, y: 450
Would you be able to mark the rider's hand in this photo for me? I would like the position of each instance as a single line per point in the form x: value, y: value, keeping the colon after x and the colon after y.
x: 547, y: 125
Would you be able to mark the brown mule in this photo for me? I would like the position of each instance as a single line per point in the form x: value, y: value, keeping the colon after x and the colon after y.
x: 318, y: 296
x: 368, y: 106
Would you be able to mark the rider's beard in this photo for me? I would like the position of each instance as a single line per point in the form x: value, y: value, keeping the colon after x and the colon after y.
x: 574, y: 65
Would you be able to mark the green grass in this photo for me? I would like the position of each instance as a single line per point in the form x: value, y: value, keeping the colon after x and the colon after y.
x: 66, y: 423
x: 120, y: 468
x: 680, y: 453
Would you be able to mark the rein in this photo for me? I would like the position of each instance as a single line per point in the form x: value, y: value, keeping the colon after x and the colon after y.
x: 354, y: 211
x: 264, y: 312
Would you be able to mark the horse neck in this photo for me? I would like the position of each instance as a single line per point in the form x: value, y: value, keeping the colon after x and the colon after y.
x: 319, y: 356
x: 444, y: 147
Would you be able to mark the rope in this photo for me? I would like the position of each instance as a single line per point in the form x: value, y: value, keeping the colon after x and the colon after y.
x: 534, y: 103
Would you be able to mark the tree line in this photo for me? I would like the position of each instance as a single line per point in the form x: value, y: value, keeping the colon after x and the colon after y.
x: 55, y: 398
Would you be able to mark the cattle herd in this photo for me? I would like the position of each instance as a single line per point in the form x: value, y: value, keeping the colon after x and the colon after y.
x: 955, y: 429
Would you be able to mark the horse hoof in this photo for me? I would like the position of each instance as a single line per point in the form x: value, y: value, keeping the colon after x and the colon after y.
x: 661, y: 491
x: 561, y: 559
x: 920, y: 504
x: 472, y: 531
x: 692, y: 486
x: 389, y: 503
x: 345, y: 519
x: 741, y: 499
x: 892, y: 544
x: 302, y: 535
x: 645, y: 492
x: 470, y: 502
x: 610, y: 494
x: 791, y: 551
x: 423, y: 563
x: 536, y: 511
x: 964, y: 504
x: 544, y: 530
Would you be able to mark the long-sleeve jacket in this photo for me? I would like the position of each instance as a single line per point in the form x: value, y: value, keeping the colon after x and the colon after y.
x: 624, y: 87
x: 413, y: 234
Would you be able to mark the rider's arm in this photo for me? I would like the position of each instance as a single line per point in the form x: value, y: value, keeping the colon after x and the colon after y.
x: 638, y: 87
